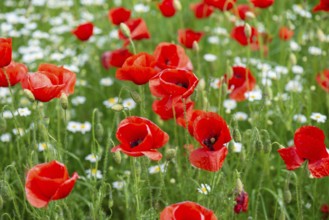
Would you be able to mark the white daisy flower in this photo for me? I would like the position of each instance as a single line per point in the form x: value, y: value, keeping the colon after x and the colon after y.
x: 79, y: 100
x: 19, y: 131
x: 94, y: 173
x: 43, y: 146
x: 118, y: 185
x: 229, y: 104
x: 294, y: 86
x: 129, y: 103
x: 236, y: 147
x: 210, y: 57
x: 85, y: 127
x: 73, y: 126
x: 141, y: 8
x: 213, y: 40
x: 22, y: 112
x: 156, y: 169
x: 300, y: 118
x: 318, y: 117
x: 297, y: 69
x: 7, y: 114
x: 110, y: 102
x: 93, y: 158
x: 315, y: 51
x: 253, y: 95
x: 215, y: 83
x: 241, y: 116
x: 6, y: 137
x: 108, y: 81
x: 204, y: 189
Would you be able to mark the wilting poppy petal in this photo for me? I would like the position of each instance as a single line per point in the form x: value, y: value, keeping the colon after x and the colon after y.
x: 187, y: 210
x: 208, y: 160
x: 290, y: 158
x: 319, y: 168
x: 5, y: 51
x: 309, y: 142
x: 119, y: 15
x: 84, y: 31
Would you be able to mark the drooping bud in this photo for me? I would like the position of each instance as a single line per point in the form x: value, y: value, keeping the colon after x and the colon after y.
x: 170, y: 153
x: 117, y: 157
x: 247, y: 30
x: 195, y: 46
x: 202, y: 84
x: 287, y: 195
x: 64, y: 101
x: 229, y: 70
x: 236, y: 135
x: 125, y: 30
x: 135, y: 96
x: 177, y: 5
x: 99, y: 131
x: 29, y: 95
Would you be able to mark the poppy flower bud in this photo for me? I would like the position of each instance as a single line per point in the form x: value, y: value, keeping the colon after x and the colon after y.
x: 64, y: 101
x: 287, y: 195
x: 117, y: 107
x: 125, y: 30
x: 170, y: 153
x: 29, y: 95
x: 195, y: 46
x: 117, y: 157
x: 259, y: 145
x: 111, y: 203
x: 247, y: 30
x: 236, y: 135
x: 321, y: 35
x: 135, y: 96
x: 177, y: 5
x: 292, y: 59
x: 202, y: 84
x: 268, y: 93
x: 239, y: 185
x: 3, y: 123
x: 250, y: 15
x: 229, y: 70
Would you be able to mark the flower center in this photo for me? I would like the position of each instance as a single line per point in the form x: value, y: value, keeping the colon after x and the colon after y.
x: 210, y: 142
x: 182, y: 84
x: 135, y: 143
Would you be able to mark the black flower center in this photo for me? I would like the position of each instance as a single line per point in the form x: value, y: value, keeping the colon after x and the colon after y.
x: 209, y: 142
x: 135, y: 143
x: 182, y: 84
x: 167, y: 61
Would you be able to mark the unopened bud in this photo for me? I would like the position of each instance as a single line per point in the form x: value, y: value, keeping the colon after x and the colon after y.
x: 117, y: 157
x: 202, y: 84
x: 236, y: 135
x: 170, y: 153
x: 196, y: 47
x: 250, y: 15
x: 117, y: 107
x: 292, y: 59
x: 29, y: 95
x: 177, y: 5
x: 287, y: 196
x: 111, y: 203
x: 247, y: 30
x: 135, y: 96
x: 321, y: 35
x: 229, y: 71
x: 125, y: 30
x: 99, y: 131
x: 259, y: 145
x: 64, y: 101
x: 239, y: 185
x: 282, y: 216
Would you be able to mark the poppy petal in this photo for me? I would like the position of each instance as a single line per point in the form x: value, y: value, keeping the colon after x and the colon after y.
x: 65, y: 188
x: 208, y: 160
x: 319, y: 168
x: 290, y: 158
x: 152, y: 154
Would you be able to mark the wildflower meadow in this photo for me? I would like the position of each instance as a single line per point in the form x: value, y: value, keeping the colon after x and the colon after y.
x: 164, y: 109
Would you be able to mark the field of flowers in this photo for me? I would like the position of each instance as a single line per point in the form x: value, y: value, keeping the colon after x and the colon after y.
x: 164, y: 109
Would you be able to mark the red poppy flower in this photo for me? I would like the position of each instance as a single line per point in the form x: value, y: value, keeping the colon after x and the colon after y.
x: 322, y: 6
x: 222, y: 5
x: 188, y: 36
x: 48, y: 181
x: 115, y: 58
x: 138, y: 68
x: 140, y: 137
x: 173, y: 56
x: 187, y: 210
x: 308, y: 145
x: 241, y: 82
x: 167, y: 8
x: 173, y: 82
x: 262, y: 3
x: 242, y: 10
x: 165, y: 107
x: 119, y: 15
x: 84, y: 31
x: 15, y: 73
x: 212, y: 132
x: 201, y: 10
x: 323, y: 80
x: 241, y: 200
x: 238, y: 34
x: 5, y: 51
x: 285, y: 33
x: 49, y: 82
x: 138, y: 30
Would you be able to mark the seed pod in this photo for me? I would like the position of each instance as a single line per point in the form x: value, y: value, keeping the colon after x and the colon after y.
x: 117, y: 157
x: 125, y: 30
x: 135, y: 96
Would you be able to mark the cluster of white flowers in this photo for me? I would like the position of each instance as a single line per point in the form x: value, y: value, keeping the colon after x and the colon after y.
x: 79, y: 127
